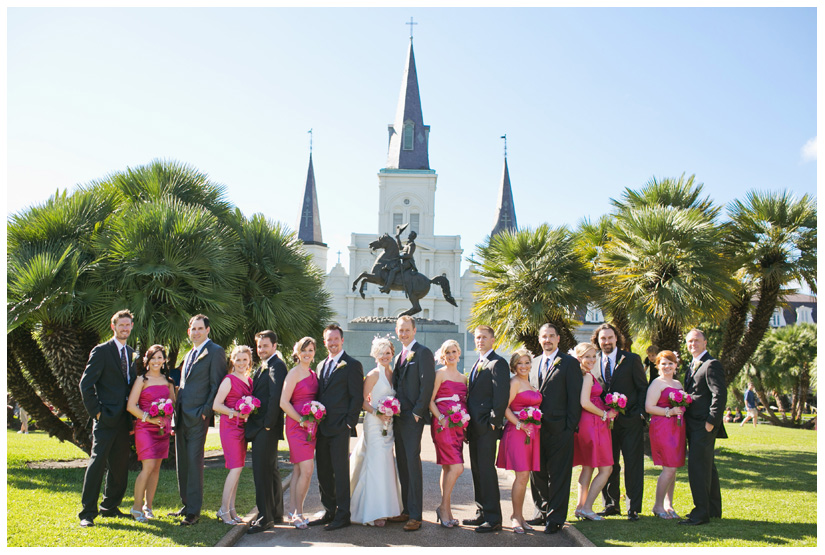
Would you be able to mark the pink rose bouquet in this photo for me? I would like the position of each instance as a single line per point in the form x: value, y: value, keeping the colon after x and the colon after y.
x: 389, y: 406
x: 455, y: 416
x: 615, y: 401
x: 679, y: 399
x: 161, y: 407
x: 312, y: 412
x: 530, y: 419
x: 247, y: 405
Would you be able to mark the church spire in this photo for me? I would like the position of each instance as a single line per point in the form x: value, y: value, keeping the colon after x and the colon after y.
x: 506, y: 212
x: 309, y: 223
x: 408, y: 134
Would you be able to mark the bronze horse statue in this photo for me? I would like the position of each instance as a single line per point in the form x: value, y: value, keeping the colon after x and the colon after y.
x: 417, y: 284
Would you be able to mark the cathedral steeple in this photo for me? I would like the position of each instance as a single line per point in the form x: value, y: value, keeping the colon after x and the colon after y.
x: 309, y: 223
x: 506, y: 212
x: 408, y: 135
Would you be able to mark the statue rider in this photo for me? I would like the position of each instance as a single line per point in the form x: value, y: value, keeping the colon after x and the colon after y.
x: 404, y: 263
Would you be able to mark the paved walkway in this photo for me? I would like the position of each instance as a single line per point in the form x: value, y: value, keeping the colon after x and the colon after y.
x: 430, y: 534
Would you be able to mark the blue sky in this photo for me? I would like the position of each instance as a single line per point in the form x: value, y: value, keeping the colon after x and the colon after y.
x: 592, y: 100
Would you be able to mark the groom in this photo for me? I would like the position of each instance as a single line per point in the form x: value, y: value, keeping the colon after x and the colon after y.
x: 412, y: 379
x: 341, y: 391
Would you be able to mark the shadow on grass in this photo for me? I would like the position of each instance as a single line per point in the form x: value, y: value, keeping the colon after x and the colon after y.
x: 745, y: 470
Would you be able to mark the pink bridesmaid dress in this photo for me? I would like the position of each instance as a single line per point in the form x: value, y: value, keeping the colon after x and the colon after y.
x: 593, y: 443
x: 667, y: 438
x: 513, y: 451
x: 305, y: 392
x: 148, y: 444
x: 449, y: 442
x: 232, y: 431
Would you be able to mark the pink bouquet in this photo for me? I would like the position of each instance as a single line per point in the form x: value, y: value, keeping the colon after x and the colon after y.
x: 389, y: 406
x: 247, y: 405
x: 161, y: 407
x: 455, y: 417
x: 615, y: 401
x: 313, y: 412
x: 530, y: 418
x: 679, y: 399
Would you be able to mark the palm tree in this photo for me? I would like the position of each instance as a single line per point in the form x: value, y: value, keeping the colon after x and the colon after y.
x: 662, y: 267
x: 530, y: 277
x: 676, y: 193
x: 771, y: 241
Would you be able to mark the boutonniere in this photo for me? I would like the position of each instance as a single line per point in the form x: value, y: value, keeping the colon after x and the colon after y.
x: 203, y: 354
x: 135, y: 355
x: 341, y: 364
x: 620, y: 361
x: 482, y: 364
x: 556, y: 362
x: 410, y: 356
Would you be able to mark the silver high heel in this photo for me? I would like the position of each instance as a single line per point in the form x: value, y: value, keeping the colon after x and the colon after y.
x: 236, y: 518
x: 138, y: 515
x: 221, y: 514
x: 590, y: 515
x: 148, y: 512
x: 444, y: 523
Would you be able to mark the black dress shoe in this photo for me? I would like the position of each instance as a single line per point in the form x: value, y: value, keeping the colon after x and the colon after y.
x: 190, y: 520
x: 609, y: 511
x: 87, y: 523
x: 260, y: 527
x: 632, y: 516
x: 113, y: 513
x: 181, y: 512
x: 336, y: 524
x: 326, y: 519
x: 689, y: 522
x: 538, y: 521
x: 477, y: 521
x: 552, y: 528
x: 487, y: 527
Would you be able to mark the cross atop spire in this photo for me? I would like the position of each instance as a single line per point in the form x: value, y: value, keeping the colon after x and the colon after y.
x: 409, y: 136
x: 411, y: 23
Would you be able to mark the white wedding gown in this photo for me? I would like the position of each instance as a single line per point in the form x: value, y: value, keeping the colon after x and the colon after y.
x: 374, y: 488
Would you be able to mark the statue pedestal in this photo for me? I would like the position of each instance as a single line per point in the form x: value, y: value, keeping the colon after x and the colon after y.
x: 432, y: 333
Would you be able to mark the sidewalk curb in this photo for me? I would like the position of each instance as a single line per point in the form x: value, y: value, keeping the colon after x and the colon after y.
x: 578, y: 538
x: 236, y: 532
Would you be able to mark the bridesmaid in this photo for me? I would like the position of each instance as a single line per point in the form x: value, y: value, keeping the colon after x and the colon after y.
x: 300, y: 388
x: 592, y: 443
x: 514, y: 453
x: 667, y: 438
x: 151, y: 432
x: 449, y: 389
x: 235, y: 385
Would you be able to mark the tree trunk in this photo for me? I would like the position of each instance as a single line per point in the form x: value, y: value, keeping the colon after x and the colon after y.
x: 740, y: 398
x: 804, y: 385
x: 744, y: 349
x: 619, y: 319
x: 734, y: 327
x: 531, y: 343
x: 667, y: 337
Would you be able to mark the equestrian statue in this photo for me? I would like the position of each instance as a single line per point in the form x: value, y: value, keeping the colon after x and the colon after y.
x: 394, y: 270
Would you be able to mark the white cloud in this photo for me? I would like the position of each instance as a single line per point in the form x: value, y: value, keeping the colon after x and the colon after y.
x: 809, y: 150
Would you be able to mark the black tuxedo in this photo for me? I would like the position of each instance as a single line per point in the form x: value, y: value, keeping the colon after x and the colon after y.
x: 707, y: 386
x: 412, y: 380
x: 195, y: 398
x: 560, y: 414
x: 264, y: 429
x: 488, y: 391
x: 105, y: 391
x: 628, y: 378
x: 342, y: 393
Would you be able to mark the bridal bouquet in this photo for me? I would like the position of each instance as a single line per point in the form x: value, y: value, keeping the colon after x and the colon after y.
x: 161, y: 407
x: 312, y: 412
x: 389, y: 406
x: 455, y: 417
x: 615, y: 401
x: 530, y: 419
x: 679, y: 399
x: 248, y: 404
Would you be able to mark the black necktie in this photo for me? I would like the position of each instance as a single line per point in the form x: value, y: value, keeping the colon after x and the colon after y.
x: 328, y: 369
x: 544, y: 372
x: 123, y: 366
x: 607, y: 373
x: 190, y: 363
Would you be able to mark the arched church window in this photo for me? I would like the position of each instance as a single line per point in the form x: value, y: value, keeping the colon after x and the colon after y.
x: 414, y: 223
x: 409, y: 134
x: 397, y: 220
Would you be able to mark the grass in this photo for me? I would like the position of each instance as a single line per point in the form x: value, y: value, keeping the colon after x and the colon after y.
x: 768, y: 478
x: 42, y: 505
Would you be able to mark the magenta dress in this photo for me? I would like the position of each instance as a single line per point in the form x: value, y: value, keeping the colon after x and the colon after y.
x: 513, y: 452
x: 148, y: 444
x: 667, y: 438
x: 593, y: 443
x: 449, y: 442
x: 300, y: 449
x: 232, y: 431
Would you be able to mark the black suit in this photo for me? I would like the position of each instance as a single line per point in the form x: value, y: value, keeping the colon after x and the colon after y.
x: 707, y: 387
x: 488, y: 391
x: 342, y: 393
x: 413, y: 380
x: 628, y: 378
x: 264, y: 429
x: 195, y: 398
x: 105, y: 391
x: 561, y: 411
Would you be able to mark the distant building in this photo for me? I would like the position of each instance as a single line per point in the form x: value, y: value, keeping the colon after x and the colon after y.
x: 796, y: 308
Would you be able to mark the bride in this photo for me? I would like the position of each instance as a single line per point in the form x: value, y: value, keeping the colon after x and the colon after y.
x: 374, y: 487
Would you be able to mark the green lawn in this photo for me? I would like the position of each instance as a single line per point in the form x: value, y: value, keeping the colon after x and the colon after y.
x: 768, y: 478
x: 43, y: 504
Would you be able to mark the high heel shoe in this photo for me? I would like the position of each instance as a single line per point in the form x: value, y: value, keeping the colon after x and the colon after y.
x: 673, y: 514
x: 663, y: 515
x: 517, y: 527
x: 223, y: 515
x: 236, y: 518
x: 590, y: 515
x: 138, y: 515
x: 299, y: 522
x: 578, y: 514
x: 444, y: 523
x: 147, y: 512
